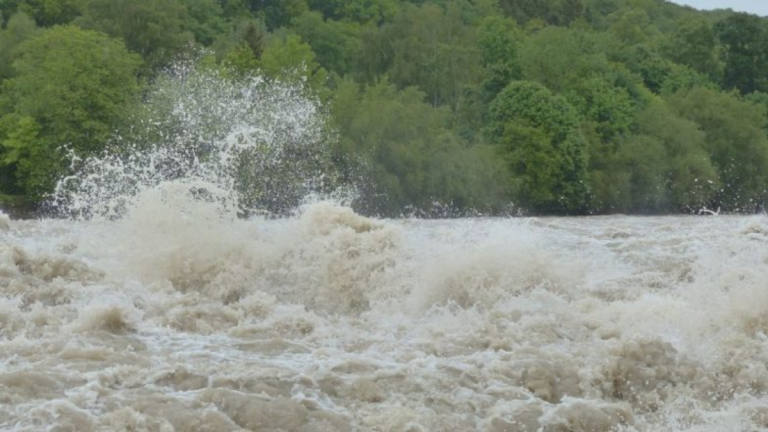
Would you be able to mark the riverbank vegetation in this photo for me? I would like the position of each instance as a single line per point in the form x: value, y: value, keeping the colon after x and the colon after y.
x: 475, y: 106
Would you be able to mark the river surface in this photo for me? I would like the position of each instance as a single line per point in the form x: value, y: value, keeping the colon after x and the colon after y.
x: 329, y: 321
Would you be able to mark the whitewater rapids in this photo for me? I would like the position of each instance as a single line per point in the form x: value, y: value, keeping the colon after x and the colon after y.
x: 330, y: 321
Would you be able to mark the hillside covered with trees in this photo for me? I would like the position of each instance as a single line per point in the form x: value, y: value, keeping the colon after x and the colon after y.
x: 555, y: 106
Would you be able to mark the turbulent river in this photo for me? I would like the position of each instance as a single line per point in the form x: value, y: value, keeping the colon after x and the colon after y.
x: 162, y: 299
x: 330, y: 321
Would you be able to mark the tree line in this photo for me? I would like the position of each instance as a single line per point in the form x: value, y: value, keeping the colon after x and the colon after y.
x: 458, y: 106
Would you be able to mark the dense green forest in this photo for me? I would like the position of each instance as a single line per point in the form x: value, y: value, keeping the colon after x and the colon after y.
x: 476, y: 106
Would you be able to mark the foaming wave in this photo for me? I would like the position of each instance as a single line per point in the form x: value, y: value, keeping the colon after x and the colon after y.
x: 5, y: 222
x: 485, y: 273
x: 333, y: 321
x: 327, y: 258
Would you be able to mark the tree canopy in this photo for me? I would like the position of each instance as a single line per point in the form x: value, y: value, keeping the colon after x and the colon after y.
x: 545, y: 107
x: 70, y: 89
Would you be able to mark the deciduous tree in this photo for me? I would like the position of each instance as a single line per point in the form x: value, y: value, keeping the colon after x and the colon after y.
x: 547, y: 154
x: 71, y: 88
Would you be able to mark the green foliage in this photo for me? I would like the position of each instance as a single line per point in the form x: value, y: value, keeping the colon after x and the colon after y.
x: 52, y: 12
x: 430, y: 48
x: 690, y: 180
x: 555, y: 57
x: 241, y: 60
x: 28, y: 156
x: 499, y: 38
x: 694, y: 44
x: 761, y: 100
x: 253, y: 35
x: 243, y: 48
x: 336, y: 43
x: 664, y: 167
x: 659, y: 74
x: 71, y: 87
x: 555, y: 12
x: 562, y: 106
x: 683, y: 78
x: 360, y: 11
x: 234, y: 9
x: 408, y: 154
x: 205, y: 20
x: 609, y: 107
x: 155, y: 29
x: 540, y: 136
x: 20, y: 139
x: 736, y: 141
x: 277, y: 13
x: 631, y: 26
x: 20, y: 28
x: 290, y: 59
x: 645, y: 62
x: 744, y: 39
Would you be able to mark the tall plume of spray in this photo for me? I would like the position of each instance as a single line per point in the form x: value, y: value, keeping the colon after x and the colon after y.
x: 247, y: 144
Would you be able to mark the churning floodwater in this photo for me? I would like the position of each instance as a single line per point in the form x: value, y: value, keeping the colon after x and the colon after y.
x: 166, y: 296
x: 330, y: 321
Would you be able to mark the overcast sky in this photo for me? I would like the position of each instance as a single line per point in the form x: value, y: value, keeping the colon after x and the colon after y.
x: 759, y: 7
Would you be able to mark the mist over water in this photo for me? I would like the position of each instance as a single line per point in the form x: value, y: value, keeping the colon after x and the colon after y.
x: 159, y: 307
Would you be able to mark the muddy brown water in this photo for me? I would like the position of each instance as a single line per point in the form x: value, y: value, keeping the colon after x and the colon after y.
x: 330, y: 321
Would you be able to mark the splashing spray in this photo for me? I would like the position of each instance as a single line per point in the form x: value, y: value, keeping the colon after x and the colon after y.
x: 245, y: 144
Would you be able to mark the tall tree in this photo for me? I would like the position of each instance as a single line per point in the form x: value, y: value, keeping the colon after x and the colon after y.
x: 547, y: 154
x: 71, y: 88
x: 744, y: 38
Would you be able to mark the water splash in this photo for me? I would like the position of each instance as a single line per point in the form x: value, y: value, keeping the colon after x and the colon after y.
x: 179, y: 315
x: 245, y: 144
